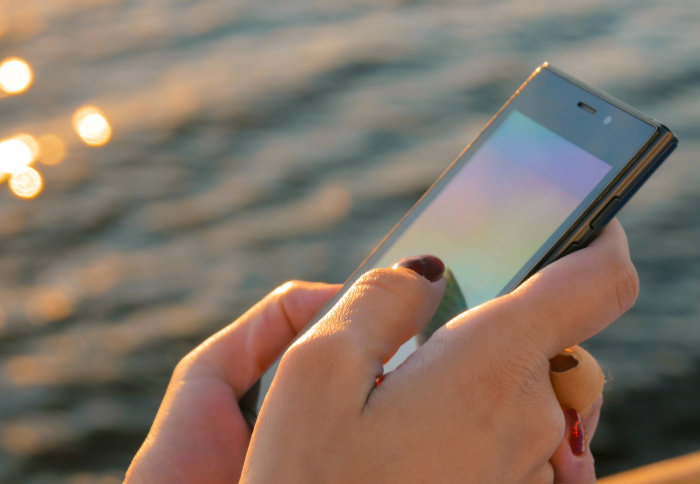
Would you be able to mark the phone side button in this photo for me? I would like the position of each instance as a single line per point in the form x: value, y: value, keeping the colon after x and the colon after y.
x: 606, y: 214
x: 573, y: 246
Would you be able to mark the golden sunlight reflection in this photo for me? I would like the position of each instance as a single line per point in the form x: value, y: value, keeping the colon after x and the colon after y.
x: 85, y: 478
x: 90, y: 123
x: 15, y: 75
x: 102, y: 275
x: 26, y: 183
x: 31, y: 143
x: 48, y: 305
x: 33, y: 370
x: 53, y: 149
x: 33, y: 435
x: 17, y: 153
x: 19, y: 439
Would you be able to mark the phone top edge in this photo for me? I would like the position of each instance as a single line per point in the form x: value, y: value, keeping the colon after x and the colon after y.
x: 602, y: 94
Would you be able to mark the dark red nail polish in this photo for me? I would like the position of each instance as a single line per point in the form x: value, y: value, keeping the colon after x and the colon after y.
x: 427, y: 266
x: 576, y: 437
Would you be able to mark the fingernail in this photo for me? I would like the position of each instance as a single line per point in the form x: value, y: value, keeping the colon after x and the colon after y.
x: 427, y: 266
x: 576, y: 437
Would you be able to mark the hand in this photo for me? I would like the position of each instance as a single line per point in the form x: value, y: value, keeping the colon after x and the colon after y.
x: 199, y: 434
x: 473, y: 404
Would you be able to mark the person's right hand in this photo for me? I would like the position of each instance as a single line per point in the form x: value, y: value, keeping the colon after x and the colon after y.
x: 473, y: 404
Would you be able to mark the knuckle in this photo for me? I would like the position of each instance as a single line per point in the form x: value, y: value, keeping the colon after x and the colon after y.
x: 182, y: 367
x: 303, y: 350
x: 186, y: 366
x: 288, y: 288
x: 526, y: 315
x: 315, y: 357
x: 386, y: 296
x: 625, y: 282
x: 319, y: 345
x: 298, y: 359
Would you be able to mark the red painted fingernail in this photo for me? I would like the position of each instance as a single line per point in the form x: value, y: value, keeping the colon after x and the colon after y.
x: 427, y: 266
x: 576, y: 437
x: 379, y: 380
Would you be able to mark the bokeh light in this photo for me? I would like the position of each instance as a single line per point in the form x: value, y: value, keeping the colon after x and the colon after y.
x: 53, y: 149
x: 17, y: 153
x: 16, y: 75
x: 30, y: 142
x: 19, y: 439
x: 85, y: 478
x: 49, y: 305
x: 35, y: 434
x: 90, y: 123
x: 26, y: 183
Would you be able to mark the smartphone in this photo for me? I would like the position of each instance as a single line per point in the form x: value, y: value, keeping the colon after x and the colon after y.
x: 542, y: 178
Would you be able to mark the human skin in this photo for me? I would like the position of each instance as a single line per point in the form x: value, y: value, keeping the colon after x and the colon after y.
x: 473, y: 404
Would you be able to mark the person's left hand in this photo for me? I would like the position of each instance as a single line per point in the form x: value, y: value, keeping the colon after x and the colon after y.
x: 199, y: 434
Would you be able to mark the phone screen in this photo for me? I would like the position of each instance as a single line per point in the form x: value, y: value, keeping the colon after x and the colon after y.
x: 501, y: 207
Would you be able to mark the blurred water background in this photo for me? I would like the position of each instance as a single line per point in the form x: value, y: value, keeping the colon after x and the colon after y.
x: 254, y: 142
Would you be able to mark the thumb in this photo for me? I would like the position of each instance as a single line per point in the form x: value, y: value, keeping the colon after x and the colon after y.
x: 346, y: 350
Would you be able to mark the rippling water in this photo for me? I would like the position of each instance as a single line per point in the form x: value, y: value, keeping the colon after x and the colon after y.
x: 255, y: 142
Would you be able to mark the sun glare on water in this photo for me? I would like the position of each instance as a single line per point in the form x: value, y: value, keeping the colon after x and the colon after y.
x: 26, y: 183
x: 53, y: 149
x: 17, y: 152
x: 16, y: 75
x: 16, y: 155
x: 90, y: 123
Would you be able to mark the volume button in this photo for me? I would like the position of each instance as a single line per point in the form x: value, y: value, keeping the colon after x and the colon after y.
x: 573, y: 246
x: 606, y: 214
